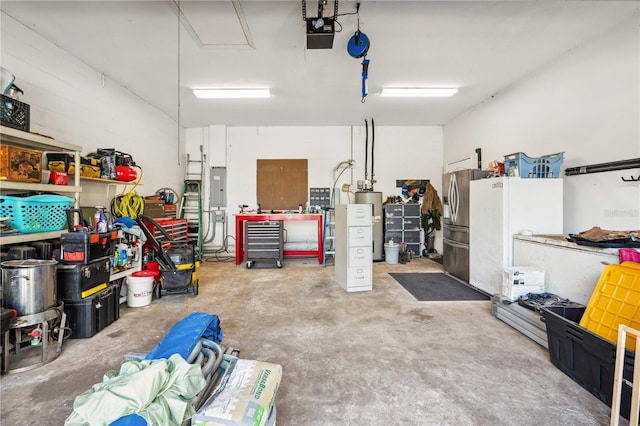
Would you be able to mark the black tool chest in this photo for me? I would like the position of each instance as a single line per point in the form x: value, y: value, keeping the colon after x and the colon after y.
x: 91, y: 302
x: 85, y: 247
x: 263, y: 241
x: 76, y: 281
x: 88, y: 316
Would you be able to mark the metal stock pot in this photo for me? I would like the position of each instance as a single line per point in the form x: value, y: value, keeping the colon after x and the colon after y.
x: 29, y: 286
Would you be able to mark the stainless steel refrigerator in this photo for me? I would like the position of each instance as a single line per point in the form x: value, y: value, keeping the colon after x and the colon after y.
x: 455, y: 203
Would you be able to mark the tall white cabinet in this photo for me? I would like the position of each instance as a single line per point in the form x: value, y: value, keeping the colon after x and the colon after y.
x: 498, y: 209
x: 354, y: 247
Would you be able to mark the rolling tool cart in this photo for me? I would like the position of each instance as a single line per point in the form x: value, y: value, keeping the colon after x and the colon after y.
x: 176, y: 260
x: 263, y: 241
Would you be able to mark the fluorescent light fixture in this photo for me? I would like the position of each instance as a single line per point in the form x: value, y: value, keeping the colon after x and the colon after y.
x: 418, y: 92
x: 231, y: 93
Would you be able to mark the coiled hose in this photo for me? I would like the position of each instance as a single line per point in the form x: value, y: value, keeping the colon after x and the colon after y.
x: 128, y: 204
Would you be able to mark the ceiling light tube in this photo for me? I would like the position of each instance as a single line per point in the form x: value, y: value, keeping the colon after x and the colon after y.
x: 231, y: 93
x: 417, y: 92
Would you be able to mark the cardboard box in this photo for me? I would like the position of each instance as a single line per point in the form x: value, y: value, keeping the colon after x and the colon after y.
x: 519, y: 280
x: 20, y: 164
x: 154, y: 208
x: 247, y: 398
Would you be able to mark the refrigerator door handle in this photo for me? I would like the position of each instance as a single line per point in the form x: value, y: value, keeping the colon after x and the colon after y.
x: 456, y: 244
x: 453, y: 198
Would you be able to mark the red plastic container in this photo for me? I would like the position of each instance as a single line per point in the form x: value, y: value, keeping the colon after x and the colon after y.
x: 152, y: 267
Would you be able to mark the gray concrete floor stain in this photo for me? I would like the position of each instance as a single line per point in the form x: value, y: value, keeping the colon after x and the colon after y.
x: 375, y: 358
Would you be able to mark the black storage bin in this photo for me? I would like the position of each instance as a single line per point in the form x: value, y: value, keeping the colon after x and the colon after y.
x: 586, y: 357
x: 22, y: 252
x: 76, y: 281
x: 104, y: 309
x: 44, y: 250
x: 91, y: 315
x: 81, y: 317
x: 15, y: 114
x: 110, y: 301
x: 85, y: 247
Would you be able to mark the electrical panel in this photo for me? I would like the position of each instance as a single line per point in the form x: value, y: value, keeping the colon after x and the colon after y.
x: 218, y: 180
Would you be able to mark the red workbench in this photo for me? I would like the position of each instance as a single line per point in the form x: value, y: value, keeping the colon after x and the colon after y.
x: 241, y: 218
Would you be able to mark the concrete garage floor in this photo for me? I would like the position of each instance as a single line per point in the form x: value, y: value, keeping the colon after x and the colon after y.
x: 375, y: 358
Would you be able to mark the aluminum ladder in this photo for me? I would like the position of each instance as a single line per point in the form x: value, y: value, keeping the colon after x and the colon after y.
x: 191, y: 209
x: 328, y: 240
x: 191, y: 203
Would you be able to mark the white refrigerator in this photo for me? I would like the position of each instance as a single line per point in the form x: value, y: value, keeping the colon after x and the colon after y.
x: 498, y: 209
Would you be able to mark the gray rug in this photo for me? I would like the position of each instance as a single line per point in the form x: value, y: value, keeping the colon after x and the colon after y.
x: 436, y: 287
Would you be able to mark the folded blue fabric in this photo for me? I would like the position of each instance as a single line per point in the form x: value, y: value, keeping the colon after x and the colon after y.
x: 126, y: 221
x: 185, y: 334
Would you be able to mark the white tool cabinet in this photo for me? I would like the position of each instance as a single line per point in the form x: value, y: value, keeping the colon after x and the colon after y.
x: 354, y: 247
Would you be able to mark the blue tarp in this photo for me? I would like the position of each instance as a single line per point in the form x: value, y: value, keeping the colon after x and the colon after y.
x: 185, y: 334
x: 180, y: 339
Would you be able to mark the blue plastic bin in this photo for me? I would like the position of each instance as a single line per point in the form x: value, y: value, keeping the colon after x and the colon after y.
x: 37, y: 213
x: 520, y: 164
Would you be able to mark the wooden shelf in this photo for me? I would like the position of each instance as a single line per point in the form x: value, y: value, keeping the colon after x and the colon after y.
x: 108, y: 181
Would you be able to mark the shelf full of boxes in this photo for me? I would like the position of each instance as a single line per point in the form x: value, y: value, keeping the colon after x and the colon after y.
x: 16, y: 144
x: 91, y: 304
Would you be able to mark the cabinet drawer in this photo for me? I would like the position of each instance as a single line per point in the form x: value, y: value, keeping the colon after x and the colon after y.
x: 411, y: 223
x: 359, y: 256
x: 415, y: 248
x: 392, y: 210
x: 359, y: 277
x: 412, y: 210
x: 393, y: 223
x: 411, y: 236
x: 359, y: 214
x: 396, y: 236
x: 359, y: 236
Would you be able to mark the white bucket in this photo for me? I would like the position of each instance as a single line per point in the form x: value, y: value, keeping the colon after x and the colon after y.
x: 391, y: 253
x: 139, y: 291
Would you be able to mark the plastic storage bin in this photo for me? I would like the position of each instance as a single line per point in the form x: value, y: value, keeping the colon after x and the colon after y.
x: 15, y: 114
x: 615, y: 301
x: 520, y: 164
x: 585, y: 357
x: 37, y: 213
x: 78, y: 281
x: 91, y: 315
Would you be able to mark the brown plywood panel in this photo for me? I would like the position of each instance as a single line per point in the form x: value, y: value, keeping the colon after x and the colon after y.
x: 282, y: 184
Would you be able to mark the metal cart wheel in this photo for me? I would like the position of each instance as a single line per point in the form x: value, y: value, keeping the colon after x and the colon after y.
x: 249, y: 264
x: 279, y: 264
x: 195, y: 288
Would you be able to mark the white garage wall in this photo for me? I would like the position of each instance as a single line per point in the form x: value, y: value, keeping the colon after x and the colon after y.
x: 586, y: 104
x: 400, y: 153
x: 73, y: 103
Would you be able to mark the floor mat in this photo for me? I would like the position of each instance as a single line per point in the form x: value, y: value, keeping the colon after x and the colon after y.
x: 436, y: 287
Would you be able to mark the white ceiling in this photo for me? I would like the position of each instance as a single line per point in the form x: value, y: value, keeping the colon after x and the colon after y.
x: 482, y: 47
